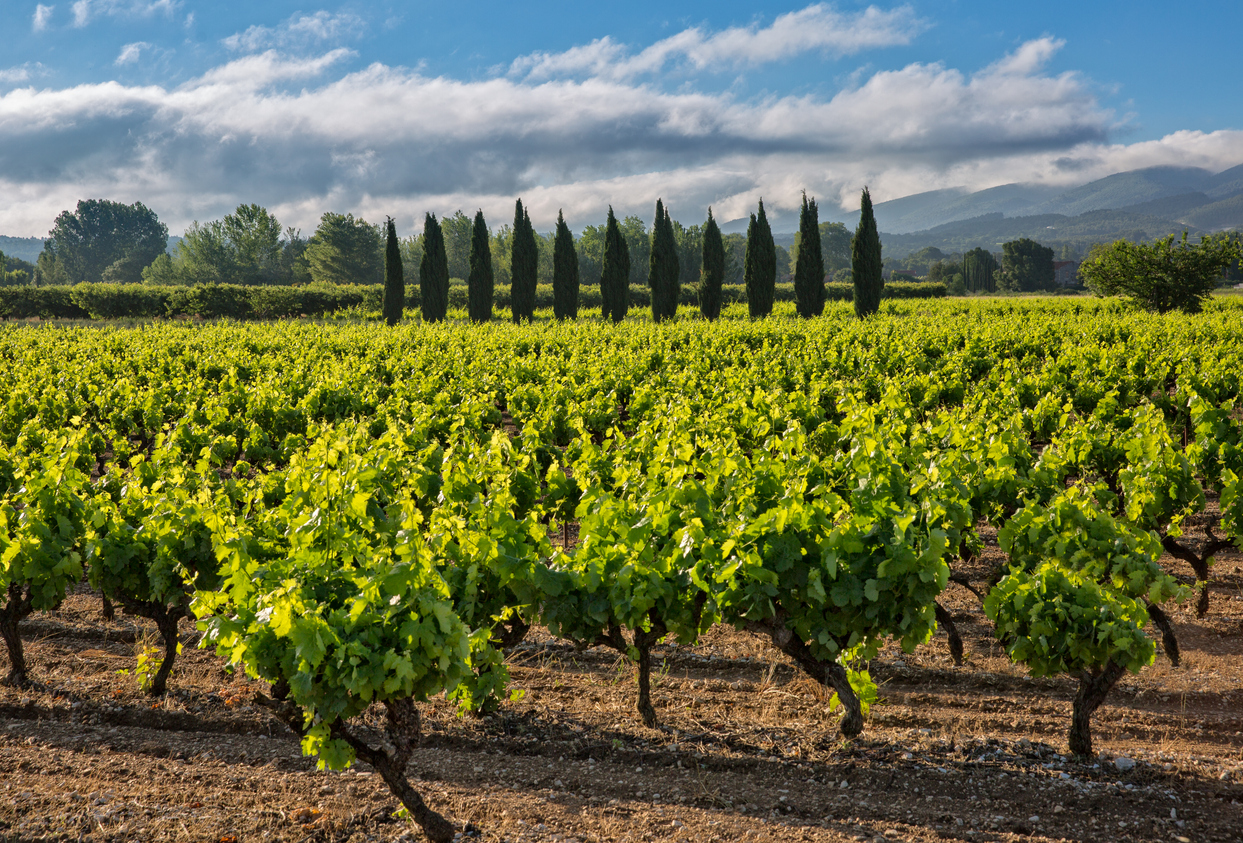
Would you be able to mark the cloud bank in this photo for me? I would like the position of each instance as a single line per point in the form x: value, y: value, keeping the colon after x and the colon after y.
x: 303, y: 134
x: 817, y: 28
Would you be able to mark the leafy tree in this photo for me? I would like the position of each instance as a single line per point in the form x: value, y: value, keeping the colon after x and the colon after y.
x: 1026, y: 266
x: 638, y: 247
x: 865, y: 260
x: 1161, y: 276
x: 49, y: 271
x: 979, y: 269
x: 712, y: 272
x: 809, y: 266
x: 615, y: 272
x: 564, y: 273
x: 458, y: 230
x: 344, y: 250
x: 735, y: 257
x: 255, y: 235
x: 394, y: 279
x: 662, y: 276
x: 760, y: 266
x: 433, y: 272
x: 479, y: 282
x: 523, y: 266
x: 101, y: 234
x: 834, y: 246
x: 690, y: 250
x: 590, y: 250
x: 411, y: 254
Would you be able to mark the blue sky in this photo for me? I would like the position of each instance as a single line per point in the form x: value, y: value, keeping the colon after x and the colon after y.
x: 399, y: 108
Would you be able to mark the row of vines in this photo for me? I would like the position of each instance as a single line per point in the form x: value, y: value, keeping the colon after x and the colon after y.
x: 369, y: 516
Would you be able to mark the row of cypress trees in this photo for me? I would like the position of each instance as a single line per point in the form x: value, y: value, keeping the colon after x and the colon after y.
x: 759, y: 268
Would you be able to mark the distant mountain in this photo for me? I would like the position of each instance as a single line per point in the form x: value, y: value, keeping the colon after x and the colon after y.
x: 1125, y: 189
x: 1226, y: 184
x: 1054, y: 230
x: 1217, y: 216
x: 937, y: 207
x: 26, y: 248
x: 1170, y: 193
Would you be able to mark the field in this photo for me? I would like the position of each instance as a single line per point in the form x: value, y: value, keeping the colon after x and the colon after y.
x: 517, y: 451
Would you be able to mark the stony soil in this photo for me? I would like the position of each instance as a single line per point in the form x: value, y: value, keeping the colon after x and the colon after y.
x: 747, y: 749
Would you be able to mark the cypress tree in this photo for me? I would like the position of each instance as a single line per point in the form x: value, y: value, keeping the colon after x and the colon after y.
x: 479, y: 281
x: 712, y: 272
x: 524, y: 266
x: 394, y: 279
x: 809, y: 265
x: 434, y: 272
x: 615, y: 272
x: 673, y: 270
x: 760, y: 266
x: 865, y: 261
x: 662, y: 275
x: 564, y: 272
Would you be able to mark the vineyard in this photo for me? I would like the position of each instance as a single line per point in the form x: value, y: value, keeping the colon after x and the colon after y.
x: 954, y: 571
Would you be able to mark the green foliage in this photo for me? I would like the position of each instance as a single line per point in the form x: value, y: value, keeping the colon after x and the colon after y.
x: 712, y: 274
x: 564, y: 274
x: 1162, y: 276
x: 479, y: 282
x: 433, y: 272
x: 344, y: 250
x: 760, y: 265
x: 662, y: 276
x: 615, y: 272
x: 1057, y: 620
x: 865, y: 261
x: 106, y: 237
x: 979, y: 269
x: 394, y: 277
x: 524, y: 266
x: 809, y: 266
x: 1026, y: 266
x: 335, y: 592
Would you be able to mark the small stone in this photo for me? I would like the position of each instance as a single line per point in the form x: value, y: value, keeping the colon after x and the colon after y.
x: 1124, y: 764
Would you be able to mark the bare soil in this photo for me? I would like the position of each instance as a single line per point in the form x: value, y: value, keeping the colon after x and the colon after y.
x: 746, y: 750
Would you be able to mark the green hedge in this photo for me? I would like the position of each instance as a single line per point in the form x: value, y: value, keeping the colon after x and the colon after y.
x: 214, y: 301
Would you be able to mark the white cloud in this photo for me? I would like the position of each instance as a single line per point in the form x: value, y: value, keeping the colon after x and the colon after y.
x: 84, y: 11
x: 42, y: 15
x: 818, y: 28
x: 21, y: 73
x: 304, y: 135
x: 299, y: 31
x: 130, y: 53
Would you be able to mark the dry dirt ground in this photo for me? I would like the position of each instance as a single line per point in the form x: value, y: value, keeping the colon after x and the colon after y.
x: 746, y: 749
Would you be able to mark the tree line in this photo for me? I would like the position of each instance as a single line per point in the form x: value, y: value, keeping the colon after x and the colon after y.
x: 109, y: 242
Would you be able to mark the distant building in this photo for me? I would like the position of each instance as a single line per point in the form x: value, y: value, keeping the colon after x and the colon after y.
x: 1066, y: 273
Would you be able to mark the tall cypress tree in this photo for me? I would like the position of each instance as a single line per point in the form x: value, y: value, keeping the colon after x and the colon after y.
x: 394, y: 279
x: 479, y: 282
x: 673, y: 270
x: 662, y: 275
x: 865, y: 261
x: 524, y: 266
x: 564, y: 272
x: 615, y: 272
x: 434, y: 272
x: 712, y: 271
x: 760, y: 266
x: 809, y: 265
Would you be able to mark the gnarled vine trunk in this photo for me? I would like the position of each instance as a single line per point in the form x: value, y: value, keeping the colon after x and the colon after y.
x: 18, y: 607
x: 1093, y: 688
